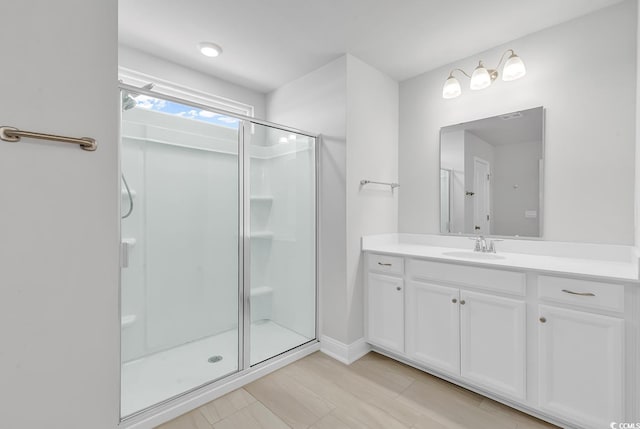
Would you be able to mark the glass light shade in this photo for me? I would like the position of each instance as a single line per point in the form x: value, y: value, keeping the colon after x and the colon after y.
x: 513, y: 68
x: 451, y: 88
x: 480, y: 79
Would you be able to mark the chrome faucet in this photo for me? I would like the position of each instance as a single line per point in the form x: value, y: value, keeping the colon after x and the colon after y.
x: 482, y: 246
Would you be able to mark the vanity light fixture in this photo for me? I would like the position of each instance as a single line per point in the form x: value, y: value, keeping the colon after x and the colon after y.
x: 209, y: 49
x: 482, y: 77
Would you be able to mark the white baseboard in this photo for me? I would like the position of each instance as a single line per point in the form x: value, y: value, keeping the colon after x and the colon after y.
x: 174, y: 408
x: 345, y: 353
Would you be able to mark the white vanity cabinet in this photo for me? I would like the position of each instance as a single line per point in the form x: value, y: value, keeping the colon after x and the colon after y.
x: 474, y: 335
x: 575, y: 346
x: 386, y: 312
x: 553, y: 345
x: 492, y: 342
x: 581, y: 365
x: 433, y: 325
x: 385, y: 303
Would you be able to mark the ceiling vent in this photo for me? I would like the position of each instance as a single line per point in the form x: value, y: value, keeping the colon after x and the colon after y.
x: 509, y: 116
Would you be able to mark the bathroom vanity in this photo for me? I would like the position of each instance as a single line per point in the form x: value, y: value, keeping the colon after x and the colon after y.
x: 549, y: 328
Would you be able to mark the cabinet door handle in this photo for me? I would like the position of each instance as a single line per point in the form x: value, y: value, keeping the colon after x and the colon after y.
x: 398, y: 288
x: 543, y: 320
x: 463, y: 302
x: 578, y: 293
x: 384, y: 265
x: 454, y: 300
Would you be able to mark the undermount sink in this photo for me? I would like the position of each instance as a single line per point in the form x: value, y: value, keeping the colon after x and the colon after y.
x: 473, y: 255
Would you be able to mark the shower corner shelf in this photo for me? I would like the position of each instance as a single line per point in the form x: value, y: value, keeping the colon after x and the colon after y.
x: 266, y: 235
x: 261, y: 290
x: 125, y: 195
x: 128, y: 320
x: 129, y: 241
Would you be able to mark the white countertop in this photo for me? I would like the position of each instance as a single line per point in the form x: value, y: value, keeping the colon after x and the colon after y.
x: 606, y: 262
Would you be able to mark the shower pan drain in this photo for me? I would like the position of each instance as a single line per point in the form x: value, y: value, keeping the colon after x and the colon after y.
x: 214, y: 359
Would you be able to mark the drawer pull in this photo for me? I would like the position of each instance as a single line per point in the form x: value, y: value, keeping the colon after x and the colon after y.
x: 543, y: 320
x: 384, y: 265
x: 398, y: 288
x: 463, y: 302
x: 578, y: 293
x: 454, y: 300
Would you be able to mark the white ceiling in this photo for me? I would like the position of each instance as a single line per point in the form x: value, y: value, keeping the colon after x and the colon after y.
x: 268, y: 43
x: 499, y: 130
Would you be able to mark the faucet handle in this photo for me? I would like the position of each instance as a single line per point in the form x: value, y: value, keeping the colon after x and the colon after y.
x: 492, y: 245
x: 478, y: 246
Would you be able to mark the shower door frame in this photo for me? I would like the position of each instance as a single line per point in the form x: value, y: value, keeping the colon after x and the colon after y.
x: 244, y: 254
x: 245, y: 125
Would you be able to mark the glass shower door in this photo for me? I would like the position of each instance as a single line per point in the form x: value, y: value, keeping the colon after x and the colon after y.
x: 282, y: 254
x: 180, y: 249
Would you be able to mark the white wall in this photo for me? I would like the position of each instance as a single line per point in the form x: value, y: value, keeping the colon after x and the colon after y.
x: 143, y: 62
x: 637, y: 147
x: 59, y: 220
x: 355, y: 107
x: 317, y: 102
x: 576, y: 71
x: 372, y: 153
x: 515, y: 188
x: 452, y: 151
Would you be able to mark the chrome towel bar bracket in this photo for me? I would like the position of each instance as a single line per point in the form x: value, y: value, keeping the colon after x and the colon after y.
x: 366, y: 182
x: 11, y: 134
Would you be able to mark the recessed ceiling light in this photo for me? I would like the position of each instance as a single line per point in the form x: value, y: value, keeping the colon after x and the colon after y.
x: 209, y: 49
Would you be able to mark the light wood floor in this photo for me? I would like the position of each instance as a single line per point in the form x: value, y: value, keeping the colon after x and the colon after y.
x: 319, y: 392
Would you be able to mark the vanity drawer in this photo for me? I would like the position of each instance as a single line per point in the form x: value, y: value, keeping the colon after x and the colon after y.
x: 386, y: 264
x: 585, y: 293
x: 484, y: 278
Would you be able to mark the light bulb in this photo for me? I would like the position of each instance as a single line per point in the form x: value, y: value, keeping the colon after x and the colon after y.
x: 480, y: 79
x: 513, y: 68
x: 451, y: 88
x: 209, y: 49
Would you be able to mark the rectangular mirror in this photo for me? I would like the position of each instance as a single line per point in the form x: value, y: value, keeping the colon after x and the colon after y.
x: 491, y: 174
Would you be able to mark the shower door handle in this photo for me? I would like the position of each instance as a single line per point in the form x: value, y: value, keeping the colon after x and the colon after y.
x: 125, y: 248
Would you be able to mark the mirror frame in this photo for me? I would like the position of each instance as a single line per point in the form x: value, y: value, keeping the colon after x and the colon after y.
x: 541, y: 172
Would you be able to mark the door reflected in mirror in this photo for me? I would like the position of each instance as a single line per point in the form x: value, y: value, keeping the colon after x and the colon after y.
x: 491, y: 174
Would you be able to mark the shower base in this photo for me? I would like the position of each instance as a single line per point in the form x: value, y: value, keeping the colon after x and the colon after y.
x: 155, y: 378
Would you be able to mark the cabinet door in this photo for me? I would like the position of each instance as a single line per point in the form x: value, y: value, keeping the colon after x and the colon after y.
x: 385, y: 312
x: 581, y: 366
x: 433, y: 326
x: 492, y: 342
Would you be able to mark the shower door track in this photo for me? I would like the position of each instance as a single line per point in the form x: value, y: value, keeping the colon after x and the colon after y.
x: 141, y: 418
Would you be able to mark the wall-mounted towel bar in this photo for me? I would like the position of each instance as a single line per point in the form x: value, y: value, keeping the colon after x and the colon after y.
x: 366, y: 182
x: 10, y: 134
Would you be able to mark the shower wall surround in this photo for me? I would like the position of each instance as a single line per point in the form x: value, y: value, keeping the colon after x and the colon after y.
x: 216, y: 277
x: 189, y: 189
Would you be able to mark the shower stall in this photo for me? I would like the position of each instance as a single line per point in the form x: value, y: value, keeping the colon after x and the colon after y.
x: 218, y: 238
